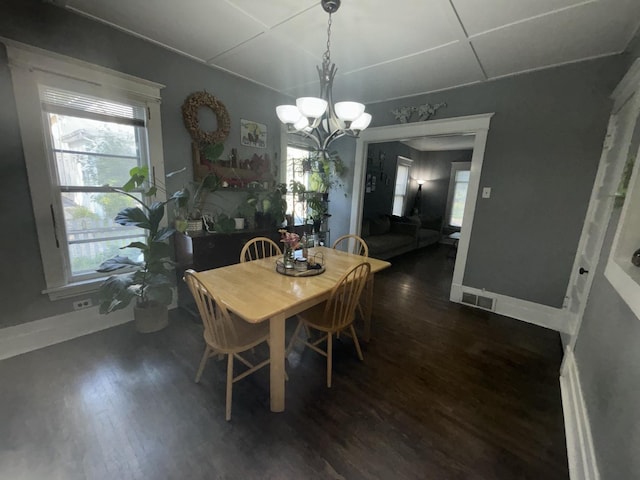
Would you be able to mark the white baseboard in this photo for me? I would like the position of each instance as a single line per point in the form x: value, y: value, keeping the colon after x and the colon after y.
x: 580, y: 451
x: 530, y: 312
x: 41, y: 333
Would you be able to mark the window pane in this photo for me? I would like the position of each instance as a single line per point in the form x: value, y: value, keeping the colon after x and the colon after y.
x: 296, y: 171
x: 463, y: 175
x: 91, y: 152
x: 401, y: 180
x: 398, y: 200
x: 459, y: 199
x: 92, y: 234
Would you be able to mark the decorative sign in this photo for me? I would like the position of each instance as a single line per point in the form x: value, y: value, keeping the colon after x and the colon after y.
x: 253, y: 134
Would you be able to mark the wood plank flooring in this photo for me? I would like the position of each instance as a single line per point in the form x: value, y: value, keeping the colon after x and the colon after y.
x: 445, y: 392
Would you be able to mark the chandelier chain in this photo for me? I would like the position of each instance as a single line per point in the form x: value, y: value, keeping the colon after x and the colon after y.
x: 326, y: 57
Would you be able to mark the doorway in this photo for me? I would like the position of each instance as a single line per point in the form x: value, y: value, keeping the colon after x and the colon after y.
x: 477, y: 125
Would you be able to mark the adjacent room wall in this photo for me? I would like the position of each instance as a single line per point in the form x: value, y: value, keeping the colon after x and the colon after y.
x: 541, y: 157
x: 45, y: 26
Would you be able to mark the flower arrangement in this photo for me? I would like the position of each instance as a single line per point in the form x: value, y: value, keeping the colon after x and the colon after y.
x: 290, y: 239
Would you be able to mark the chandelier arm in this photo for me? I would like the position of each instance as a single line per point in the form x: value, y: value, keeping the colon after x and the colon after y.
x: 334, y: 136
x: 304, y: 134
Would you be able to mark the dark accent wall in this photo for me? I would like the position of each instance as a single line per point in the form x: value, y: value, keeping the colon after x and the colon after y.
x: 541, y: 157
x: 46, y: 26
x: 382, y: 161
x: 435, y: 169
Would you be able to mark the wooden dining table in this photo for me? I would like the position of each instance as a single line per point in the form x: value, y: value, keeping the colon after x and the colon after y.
x: 256, y: 292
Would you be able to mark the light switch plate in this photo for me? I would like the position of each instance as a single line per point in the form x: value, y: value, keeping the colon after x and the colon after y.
x: 486, y: 192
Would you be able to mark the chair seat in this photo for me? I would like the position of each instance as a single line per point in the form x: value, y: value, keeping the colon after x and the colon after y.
x: 246, y: 335
x: 316, y: 318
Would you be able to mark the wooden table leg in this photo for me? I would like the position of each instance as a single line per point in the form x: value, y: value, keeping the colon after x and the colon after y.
x: 277, y: 371
x: 368, y: 308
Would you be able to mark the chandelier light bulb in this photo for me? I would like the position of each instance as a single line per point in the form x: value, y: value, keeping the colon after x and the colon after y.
x: 349, y: 111
x: 288, y: 114
x: 312, y: 107
x: 361, y: 122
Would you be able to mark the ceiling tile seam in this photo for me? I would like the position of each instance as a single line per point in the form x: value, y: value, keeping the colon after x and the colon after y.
x: 209, y: 60
x: 466, y: 36
x: 636, y: 31
x: 534, y: 17
x: 134, y: 34
x: 175, y: 50
x: 403, y: 57
x: 267, y: 27
x: 555, y: 65
x: 427, y: 92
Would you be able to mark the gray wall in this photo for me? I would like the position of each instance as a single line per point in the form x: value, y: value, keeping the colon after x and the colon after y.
x: 608, y: 357
x: 541, y: 157
x: 55, y: 29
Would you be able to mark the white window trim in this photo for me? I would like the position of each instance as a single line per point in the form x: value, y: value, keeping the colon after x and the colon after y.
x: 402, y: 162
x: 455, y: 168
x: 29, y: 66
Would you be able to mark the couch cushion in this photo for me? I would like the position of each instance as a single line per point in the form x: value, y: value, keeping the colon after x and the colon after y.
x: 415, y: 219
x: 365, y: 231
x: 380, y: 225
x: 427, y: 236
x: 390, y: 241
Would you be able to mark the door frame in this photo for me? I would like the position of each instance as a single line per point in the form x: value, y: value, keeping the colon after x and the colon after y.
x: 602, y: 197
x: 477, y: 125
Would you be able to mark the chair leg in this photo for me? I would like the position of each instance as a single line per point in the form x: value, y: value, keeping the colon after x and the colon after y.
x: 294, y: 337
x: 355, y: 340
x: 203, y: 362
x: 229, y: 385
x: 329, y: 356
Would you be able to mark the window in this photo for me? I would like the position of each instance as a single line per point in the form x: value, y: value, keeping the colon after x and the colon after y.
x: 297, y: 158
x: 458, y: 186
x: 83, y: 129
x: 400, y: 190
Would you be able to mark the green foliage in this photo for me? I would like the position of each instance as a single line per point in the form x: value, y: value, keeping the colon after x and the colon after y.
x: 224, y: 224
x: 148, y: 280
x: 78, y: 212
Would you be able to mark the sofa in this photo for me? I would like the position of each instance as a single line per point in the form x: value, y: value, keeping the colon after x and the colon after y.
x: 388, y: 236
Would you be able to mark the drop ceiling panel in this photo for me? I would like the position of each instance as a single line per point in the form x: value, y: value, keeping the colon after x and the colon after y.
x: 366, y: 32
x: 271, y: 13
x: 479, y: 16
x: 190, y: 26
x: 567, y: 36
x: 271, y: 61
x: 434, y: 70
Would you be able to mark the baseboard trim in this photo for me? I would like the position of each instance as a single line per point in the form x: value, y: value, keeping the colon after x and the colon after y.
x: 59, y: 328
x: 530, y: 312
x: 580, y: 450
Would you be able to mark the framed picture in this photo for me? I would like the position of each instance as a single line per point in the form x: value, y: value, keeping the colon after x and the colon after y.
x: 253, y: 134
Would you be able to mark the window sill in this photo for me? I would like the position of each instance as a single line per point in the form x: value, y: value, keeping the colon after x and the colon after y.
x: 74, y: 289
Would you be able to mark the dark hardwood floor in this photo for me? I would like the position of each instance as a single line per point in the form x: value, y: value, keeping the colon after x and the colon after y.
x: 445, y: 392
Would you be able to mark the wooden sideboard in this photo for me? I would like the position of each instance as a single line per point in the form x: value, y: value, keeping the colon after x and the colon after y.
x: 204, y: 251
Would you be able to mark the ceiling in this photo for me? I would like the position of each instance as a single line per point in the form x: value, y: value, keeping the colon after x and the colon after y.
x: 383, y: 49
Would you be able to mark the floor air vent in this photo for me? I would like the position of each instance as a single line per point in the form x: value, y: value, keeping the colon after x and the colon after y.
x: 487, y: 303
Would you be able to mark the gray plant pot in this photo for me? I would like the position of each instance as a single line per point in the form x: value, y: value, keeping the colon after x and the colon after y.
x: 151, y: 318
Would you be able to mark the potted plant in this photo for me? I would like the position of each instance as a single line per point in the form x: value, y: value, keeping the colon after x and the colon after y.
x: 189, y: 206
x: 149, y: 278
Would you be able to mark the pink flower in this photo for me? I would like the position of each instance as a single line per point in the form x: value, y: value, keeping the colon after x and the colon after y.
x: 289, y: 238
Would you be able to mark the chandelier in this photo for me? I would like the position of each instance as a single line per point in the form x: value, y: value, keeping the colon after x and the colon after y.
x: 318, y: 119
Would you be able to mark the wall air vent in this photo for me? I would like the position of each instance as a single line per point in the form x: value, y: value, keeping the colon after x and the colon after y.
x: 486, y: 303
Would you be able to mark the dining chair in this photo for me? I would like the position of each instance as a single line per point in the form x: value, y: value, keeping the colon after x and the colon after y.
x: 355, y: 244
x: 335, y: 315
x: 259, y: 247
x: 225, y: 333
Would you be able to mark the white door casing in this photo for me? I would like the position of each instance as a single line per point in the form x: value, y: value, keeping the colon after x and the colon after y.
x: 477, y: 125
x: 625, y: 114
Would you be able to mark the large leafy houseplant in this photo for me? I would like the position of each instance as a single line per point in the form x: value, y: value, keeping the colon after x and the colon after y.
x: 149, y: 277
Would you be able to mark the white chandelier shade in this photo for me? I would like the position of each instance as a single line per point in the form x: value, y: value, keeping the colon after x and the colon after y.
x: 317, y: 118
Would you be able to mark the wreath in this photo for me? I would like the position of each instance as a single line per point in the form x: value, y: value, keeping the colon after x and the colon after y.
x: 190, y: 109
